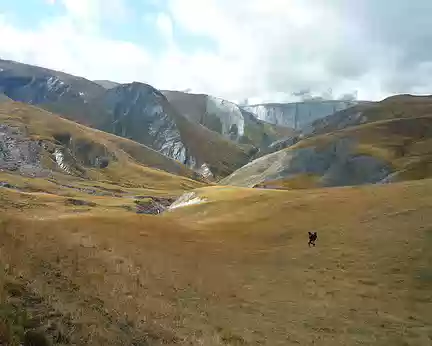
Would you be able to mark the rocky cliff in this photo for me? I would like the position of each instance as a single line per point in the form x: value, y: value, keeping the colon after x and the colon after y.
x: 297, y: 115
x: 227, y: 119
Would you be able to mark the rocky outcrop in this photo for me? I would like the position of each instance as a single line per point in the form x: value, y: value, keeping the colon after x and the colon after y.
x: 152, y: 205
x: 20, y: 154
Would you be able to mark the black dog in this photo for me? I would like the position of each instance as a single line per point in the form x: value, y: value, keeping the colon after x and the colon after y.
x: 312, y: 237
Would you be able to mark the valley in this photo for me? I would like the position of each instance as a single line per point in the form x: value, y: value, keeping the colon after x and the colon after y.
x: 136, y: 216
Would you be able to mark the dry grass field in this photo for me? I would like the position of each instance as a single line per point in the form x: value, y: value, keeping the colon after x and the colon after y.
x: 235, y: 270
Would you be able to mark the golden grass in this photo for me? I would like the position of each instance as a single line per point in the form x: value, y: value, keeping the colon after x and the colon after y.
x: 235, y: 270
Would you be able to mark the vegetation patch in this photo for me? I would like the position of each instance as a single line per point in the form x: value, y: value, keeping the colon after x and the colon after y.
x: 79, y: 202
x: 26, y: 319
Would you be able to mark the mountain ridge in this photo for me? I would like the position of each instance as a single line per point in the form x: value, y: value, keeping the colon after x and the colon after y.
x: 88, y: 103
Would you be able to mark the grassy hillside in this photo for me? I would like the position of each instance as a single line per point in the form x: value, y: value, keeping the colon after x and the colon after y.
x: 405, y: 143
x: 395, y: 107
x: 369, y: 152
x: 129, y: 164
x: 235, y: 270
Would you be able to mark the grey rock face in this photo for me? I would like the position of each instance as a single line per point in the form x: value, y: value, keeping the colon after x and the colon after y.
x: 139, y: 108
x: 216, y: 114
x: 229, y: 115
x: 296, y: 115
x: 152, y: 205
x: 18, y: 153
x: 36, y: 85
x: 356, y: 170
x: 33, y: 90
x: 142, y: 113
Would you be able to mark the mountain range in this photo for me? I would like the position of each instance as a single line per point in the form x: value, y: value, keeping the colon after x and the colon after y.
x: 306, y: 144
x: 135, y: 111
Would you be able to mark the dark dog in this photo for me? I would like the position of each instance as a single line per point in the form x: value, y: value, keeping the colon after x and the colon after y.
x: 312, y: 237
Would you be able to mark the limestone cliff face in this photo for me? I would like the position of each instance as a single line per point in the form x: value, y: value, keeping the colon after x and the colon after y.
x: 296, y: 115
x: 216, y: 114
x: 139, y: 112
x: 227, y: 119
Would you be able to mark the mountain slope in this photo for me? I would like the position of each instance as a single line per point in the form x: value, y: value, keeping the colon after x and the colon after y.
x: 226, y: 118
x: 388, y: 150
x: 143, y: 114
x: 395, y: 107
x: 61, y: 93
x: 37, y: 143
x: 136, y: 111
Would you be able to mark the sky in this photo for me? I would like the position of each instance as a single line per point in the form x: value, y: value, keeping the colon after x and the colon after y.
x: 255, y: 50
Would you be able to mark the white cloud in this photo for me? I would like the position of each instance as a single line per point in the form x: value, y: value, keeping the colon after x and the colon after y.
x: 60, y: 45
x: 265, y: 49
x: 165, y: 25
x: 279, y: 47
